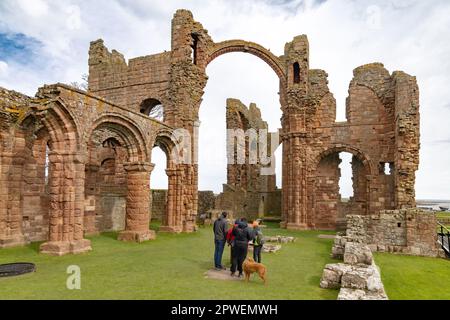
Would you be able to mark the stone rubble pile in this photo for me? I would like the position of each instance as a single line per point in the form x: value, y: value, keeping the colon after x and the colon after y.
x: 358, y: 277
x: 271, y: 248
x: 280, y: 239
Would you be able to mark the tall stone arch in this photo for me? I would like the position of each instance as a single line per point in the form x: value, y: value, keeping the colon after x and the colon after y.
x: 138, y: 170
x: 66, y: 180
x: 326, y: 210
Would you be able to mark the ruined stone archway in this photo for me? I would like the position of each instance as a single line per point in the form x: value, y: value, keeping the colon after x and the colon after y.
x: 329, y: 211
x: 65, y: 187
x: 308, y: 116
x: 133, y: 172
x: 169, y: 202
x: 259, y: 187
x: 255, y: 49
x: 124, y: 129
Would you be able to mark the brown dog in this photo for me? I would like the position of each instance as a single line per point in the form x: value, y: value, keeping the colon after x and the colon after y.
x: 250, y: 266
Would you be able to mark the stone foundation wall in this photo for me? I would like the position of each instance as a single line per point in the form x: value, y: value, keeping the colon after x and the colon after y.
x: 249, y: 204
x: 407, y: 231
x: 159, y: 204
x: 358, y: 277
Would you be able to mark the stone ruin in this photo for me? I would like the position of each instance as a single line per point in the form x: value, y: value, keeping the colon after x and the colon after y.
x: 247, y: 192
x: 74, y: 162
x: 358, y: 277
x: 406, y: 231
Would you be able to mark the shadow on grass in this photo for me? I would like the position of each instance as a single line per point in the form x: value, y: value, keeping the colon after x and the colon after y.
x: 110, y: 235
x: 34, y: 246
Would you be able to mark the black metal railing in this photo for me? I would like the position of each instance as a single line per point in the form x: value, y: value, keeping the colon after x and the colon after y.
x: 444, y: 238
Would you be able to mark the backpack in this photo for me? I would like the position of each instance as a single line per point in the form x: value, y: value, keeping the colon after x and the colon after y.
x: 230, y: 237
x: 259, y: 239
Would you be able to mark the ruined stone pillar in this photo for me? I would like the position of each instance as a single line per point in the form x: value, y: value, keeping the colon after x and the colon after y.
x: 3, y: 197
x: 170, y: 220
x: 296, y: 205
x: 66, y: 186
x: 190, y: 198
x: 138, y: 203
x: 11, y: 233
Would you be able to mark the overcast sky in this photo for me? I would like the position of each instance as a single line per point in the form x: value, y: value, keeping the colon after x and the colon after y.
x: 43, y: 41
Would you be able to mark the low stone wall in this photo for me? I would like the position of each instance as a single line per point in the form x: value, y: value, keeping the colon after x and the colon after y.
x: 406, y: 231
x: 249, y: 204
x: 358, y: 277
x: 159, y: 204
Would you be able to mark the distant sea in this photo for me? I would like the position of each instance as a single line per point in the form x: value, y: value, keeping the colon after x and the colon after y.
x: 433, y: 204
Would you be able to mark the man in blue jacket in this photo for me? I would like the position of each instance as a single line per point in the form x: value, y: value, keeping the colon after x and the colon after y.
x: 220, y: 229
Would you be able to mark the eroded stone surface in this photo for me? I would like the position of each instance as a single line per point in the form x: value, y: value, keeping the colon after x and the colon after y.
x: 280, y: 239
x: 357, y: 253
x: 98, y: 144
x: 332, y: 275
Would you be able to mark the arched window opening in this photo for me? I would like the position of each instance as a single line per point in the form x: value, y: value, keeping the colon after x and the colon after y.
x: 159, y: 185
x: 153, y: 108
x: 47, y: 164
x: 386, y: 168
x: 194, y: 48
x: 278, y: 166
x: 158, y: 178
x: 346, y: 179
x: 296, y: 72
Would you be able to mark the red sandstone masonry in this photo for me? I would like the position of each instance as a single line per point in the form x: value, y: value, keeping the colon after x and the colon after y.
x: 382, y: 127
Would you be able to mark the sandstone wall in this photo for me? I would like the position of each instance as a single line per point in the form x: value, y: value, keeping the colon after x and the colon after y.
x: 81, y: 190
x: 408, y: 231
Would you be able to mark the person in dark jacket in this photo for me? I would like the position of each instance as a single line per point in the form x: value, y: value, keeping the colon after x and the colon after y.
x: 220, y: 229
x: 242, y: 236
x: 258, y: 242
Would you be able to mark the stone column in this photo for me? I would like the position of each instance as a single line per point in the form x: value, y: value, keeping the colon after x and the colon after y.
x: 66, y: 186
x: 138, y: 203
x: 170, y: 220
x: 297, y: 204
x: 11, y: 233
x: 285, y: 184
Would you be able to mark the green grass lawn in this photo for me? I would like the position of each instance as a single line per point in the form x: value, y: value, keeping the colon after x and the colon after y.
x: 171, y: 267
x: 443, y: 215
x: 414, y: 278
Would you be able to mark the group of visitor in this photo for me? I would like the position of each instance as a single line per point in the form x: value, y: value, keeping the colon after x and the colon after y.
x: 238, y: 238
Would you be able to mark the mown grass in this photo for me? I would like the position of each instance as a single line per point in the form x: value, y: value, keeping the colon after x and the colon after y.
x: 171, y: 267
x: 414, y: 278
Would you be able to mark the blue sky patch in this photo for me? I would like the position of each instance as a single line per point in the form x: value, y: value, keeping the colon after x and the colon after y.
x: 18, y: 48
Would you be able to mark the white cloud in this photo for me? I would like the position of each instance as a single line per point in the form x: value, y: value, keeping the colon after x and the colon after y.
x: 73, y: 17
x: 3, y: 69
x: 34, y: 8
x: 408, y: 35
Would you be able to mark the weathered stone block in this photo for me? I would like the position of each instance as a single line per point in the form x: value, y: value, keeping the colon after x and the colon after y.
x: 356, y: 253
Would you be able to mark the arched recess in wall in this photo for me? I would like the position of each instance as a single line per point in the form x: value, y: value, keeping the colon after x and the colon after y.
x: 330, y: 207
x: 36, y: 187
x: 46, y: 135
x: 112, y: 142
x: 163, y: 189
x: 244, y: 85
x: 159, y: 183
x: 152, y: 108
